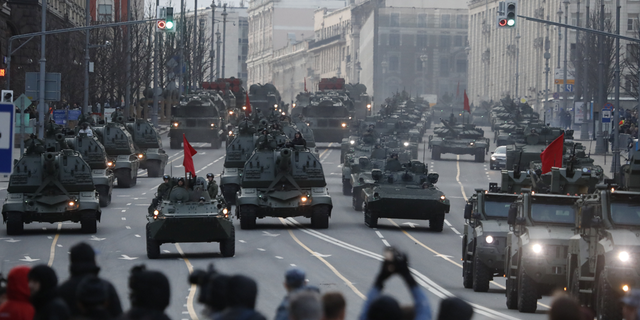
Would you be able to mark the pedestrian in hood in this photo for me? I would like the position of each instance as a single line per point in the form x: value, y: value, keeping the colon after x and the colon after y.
x: 47, y: 303
x: 242, y: 292
x: 82, y: 264
x: 92, y: 298
x: 455, y: 308
x: 17, y: 306
x: 150, y: 294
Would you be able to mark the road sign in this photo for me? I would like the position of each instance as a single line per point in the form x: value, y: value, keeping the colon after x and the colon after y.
x: 556, y: 96
x: 7, y: 116
x: 608, y: 106
x: 22, y: 102
x: 51, y: 85
x: 606, y: 116
x: 568, y: 87
x: 559, y: 76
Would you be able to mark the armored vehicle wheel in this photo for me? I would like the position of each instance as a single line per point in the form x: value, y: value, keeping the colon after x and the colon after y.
x: 370, y: 218
x: 574, y: 286
x: 124, y: 178
x: 480, y: 155
x: 346, y: 188
x: 228, y: 247
x: 15, y: 226
x: 527, y: 294
x: 435, y: 153
x: 175, y: 144
x: 247, y: 217
x: 467, y: 274
x: 153, y: 247
x: 320, y: 217
x: 437, y: 223
x: 356, y: 202
x: 481, y: 275
x: 608, y: 305
x: 105, y: 197
x: 154, y: 169
x: 89, y: 222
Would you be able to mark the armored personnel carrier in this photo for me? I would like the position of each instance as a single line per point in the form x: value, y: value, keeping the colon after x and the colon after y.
x: 601, y: 264
x: 51, y: 187
x: 404, y: 192
x: 148, y: 144
x: 121, y: 151
x: 283, y: 182
x: 238, y: 152
x: 458, y: 139
x: 189, y: 215
x: 199, y: 120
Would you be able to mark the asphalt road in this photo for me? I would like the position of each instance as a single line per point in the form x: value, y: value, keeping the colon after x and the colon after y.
x: 346, y: 257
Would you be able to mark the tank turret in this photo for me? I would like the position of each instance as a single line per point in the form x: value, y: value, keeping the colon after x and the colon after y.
x: 120, y: 149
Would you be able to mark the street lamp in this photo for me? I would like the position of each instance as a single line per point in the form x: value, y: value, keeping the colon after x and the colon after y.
x: 218, y: 51
x: 424, y: 58
x: 565, y: 96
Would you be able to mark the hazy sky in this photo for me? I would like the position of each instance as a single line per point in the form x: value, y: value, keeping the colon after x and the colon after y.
x: 190, y: 4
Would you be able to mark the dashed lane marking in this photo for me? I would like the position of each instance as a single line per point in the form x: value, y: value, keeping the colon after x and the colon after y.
x: 379, y: 234
x: 386, y: 243
x: 52, y: 252
x: 192, y: 289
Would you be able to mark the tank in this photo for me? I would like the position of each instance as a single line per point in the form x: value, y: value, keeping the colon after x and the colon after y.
x: 199, y: 120
x: 183, y: 217
x: 238, y: 152
x: 283, y: 182
x: 120, y: 149
x: 50, y: 187
x: 148, y: 144
x: 404, y: 192
x: 93, y: 152
x: 458, y: 139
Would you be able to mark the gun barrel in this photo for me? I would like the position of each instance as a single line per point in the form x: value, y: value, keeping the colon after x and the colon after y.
x: 285, y: 159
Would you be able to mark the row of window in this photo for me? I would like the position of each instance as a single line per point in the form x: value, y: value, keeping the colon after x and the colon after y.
x: 423, y: 20
x: 445, y: 64
x: 422, y: 40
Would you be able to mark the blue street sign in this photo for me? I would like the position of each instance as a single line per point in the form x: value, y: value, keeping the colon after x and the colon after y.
x: 568, y: 88
x: 74, y: 114
x: 556, y: 96
x: 60, y: 116
x: 7, y: 116
x: 608, y: 106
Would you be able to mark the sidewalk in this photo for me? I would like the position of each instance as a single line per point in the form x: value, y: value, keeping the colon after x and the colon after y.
x: 603, y: 160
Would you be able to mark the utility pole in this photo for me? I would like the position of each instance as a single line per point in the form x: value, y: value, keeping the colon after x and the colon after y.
x: 224, y: 35
x: 154, y: 113
x: 615, y: 162
x: 601, y: 146
x: 218, y: 51
x: 213, y: 52
x: 181, y: 28
x: 584, y: 130
x: 555, y: 115
x: 547, y: 56
x: 85, y: 104
x: 516, y: 96
x: 127, y: 94
x: 194, y: 65
x: 565, y: 94
x: 43, y: 73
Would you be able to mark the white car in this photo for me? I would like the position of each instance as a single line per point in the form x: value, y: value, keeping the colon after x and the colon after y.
x: 498, y: 158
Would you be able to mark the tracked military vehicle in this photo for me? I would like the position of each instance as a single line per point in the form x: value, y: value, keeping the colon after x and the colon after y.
x: 184, y: 217
x: 121, y: 151
x: 148, y: 144
x: 458, y: 139
x: 283, y: 182
x: 199, y: 120
x: 404, y: 192
x: 51, y: 187
x: 93, y: 152
x: 602, y: 260
x: 541, y: 227
x: 238, y: 152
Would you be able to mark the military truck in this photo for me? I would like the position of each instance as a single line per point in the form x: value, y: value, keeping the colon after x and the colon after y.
x: 283, y: 182
x: 238, y: 152
x: 149, y: 144
x: 459, y: 139
x: 266, y: 98
x: 50, y: 187
x: 121, y: 151
x: 184, y: 217
x: 93, y: 152
x: 199, y: 120
x: 541, y: 226
x: 408, y: 193
x: 602, y: 260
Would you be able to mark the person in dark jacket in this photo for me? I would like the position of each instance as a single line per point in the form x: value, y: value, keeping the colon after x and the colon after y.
x: 83, y: 264
x: 455, y: 308
x: 17, y: 306
x: 150, y: 295
x: 242, y: 292
x: 47, y: 303
x: 92, y: 299
x: 298, y: 140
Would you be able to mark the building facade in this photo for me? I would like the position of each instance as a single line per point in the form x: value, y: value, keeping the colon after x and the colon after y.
x: 290, y: 66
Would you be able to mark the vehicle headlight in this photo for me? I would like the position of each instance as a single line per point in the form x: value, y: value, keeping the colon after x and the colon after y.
x: 406, y: 144
x: 304, y: 199
x: 489, y: 239
x: 537, y: 248
x: 230, y: 133
x: 623, y: 256
x: 109, y: 163
x: 493, y: 158
x: 140, y: 155
x: 344, y: 125
x: 283, y: 113
x: 175, y: 124
x: 352, y: 141
x: 294, y: 105
x: 244, y: 107
x: 225, y: 211
x: 442, y: 197
x: 231, y: 112
x: 275, y: 106
x: 369, y: 106
x: 213, y: 125
x: 625, y: 288
x: 155, y: 214
x: 472, y: 143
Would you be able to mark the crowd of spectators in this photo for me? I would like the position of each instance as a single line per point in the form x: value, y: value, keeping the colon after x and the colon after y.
x: 34, y: 293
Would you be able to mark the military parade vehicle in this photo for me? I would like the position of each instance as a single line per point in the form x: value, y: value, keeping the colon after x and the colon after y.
x: 199, y: 120
x: 238, y: 152
x: 265, y: 97
x: 481, y: 115
x: 50, y: 187
x: 534, y: 140
x: 602, y: 260
x: 404, y: 192
x: 148, y: 144
x: 121, y: 152
x: 354, y: 161
x: 541, y: 226
x: 458, y: 139
x: 360, y: 170
x: 283, y: 182
x: 189, y: 215
x: 93, y: 152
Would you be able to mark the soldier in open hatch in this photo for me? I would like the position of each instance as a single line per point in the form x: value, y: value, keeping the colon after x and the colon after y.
x: 212, y: 186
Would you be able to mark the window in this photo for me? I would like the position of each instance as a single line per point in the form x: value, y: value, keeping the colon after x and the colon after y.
x: 445, y: 21
x: 421, y: 41
x: 632, y: 53
x: 572, y: 52
x: 445, y: 41
x: 461, y: 21
x: 394, y: 40
x: 394, y: 63
x: 104, y: 12
x: 444, y: 67
x: 419, y: 67
x: 422, y: 20
x: 632, y: 21
x: 383, y: 39
x: 457, y: 41
x: 394, y: 20
x: 461, y: 66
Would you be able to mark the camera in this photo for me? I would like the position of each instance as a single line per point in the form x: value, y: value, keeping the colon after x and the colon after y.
x: 394, y: 259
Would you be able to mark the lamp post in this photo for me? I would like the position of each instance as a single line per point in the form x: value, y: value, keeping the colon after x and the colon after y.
x: 584, y: 130
x: 85, y: 104
x: 517, y: 64
x: 218, y: 51
x: 565, y: 94
x: 547, y: 57
x: 424, y: 58
x: 213, y: 19
x: 615, y: 163
x: 555, y: 115
x: 224, y: 35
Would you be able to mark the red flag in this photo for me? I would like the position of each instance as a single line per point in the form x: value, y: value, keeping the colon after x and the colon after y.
x: 458, y: 89
x: 467, y: 108
x: 552, y: 155
x: 189, y: 152
x: 247, y: 111
x: 305, y: 84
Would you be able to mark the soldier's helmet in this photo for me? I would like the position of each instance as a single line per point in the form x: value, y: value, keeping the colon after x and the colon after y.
x: 166, y: 177
x: 209, y: 175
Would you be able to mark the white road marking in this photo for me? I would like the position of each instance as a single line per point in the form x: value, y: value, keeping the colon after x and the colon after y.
x: 279, y: 257
x: 386, y: 243
x: 242, y: 241
x: 318, y: 254
x: 126, y: 257
x: 379, y: 234
x: 260, y: 249
x: 128, y: 227
x: 454, y: 230
x: 137, y: 235
x: 29, y: 259
x: 412, y: 224
x: 268, y: 234
x: 124, y: 210
x: 124, y: 218
x: 447, y: 222
x: 130, y: 202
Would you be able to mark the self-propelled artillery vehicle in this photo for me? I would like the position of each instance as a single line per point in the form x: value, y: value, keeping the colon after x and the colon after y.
x: 238, y: 152
x: 50, y: 187
x: 148, y: 144
x: 121, y: 151
x: 458, y: 139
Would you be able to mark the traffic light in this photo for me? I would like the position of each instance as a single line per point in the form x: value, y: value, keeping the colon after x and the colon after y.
x: 511, y: 13
x: 170, y: 25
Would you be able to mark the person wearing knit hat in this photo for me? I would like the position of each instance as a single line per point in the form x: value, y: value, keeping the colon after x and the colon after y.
x: 92, y: 297
x: 242, y: 292
x: 17, y: 306
x: 47, y: 303
x: 149, y: 294
x: 82, y: 264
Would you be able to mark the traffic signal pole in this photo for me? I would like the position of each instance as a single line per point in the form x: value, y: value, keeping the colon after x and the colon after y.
x: 154, y: 113
x: 43, y: 66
